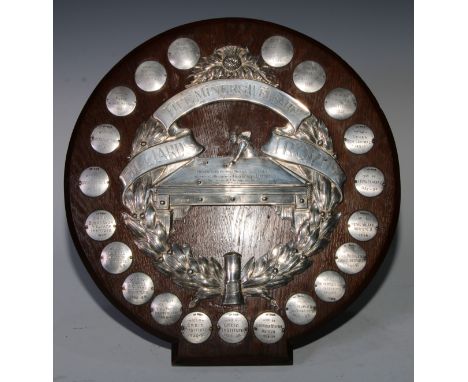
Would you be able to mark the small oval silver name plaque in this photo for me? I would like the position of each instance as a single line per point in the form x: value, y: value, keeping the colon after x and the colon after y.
x: 150, y: 76
x: 350, y: 258
x: 138, y: 288
x: 369, y: 181
x: 121, y: 101
x: 183, y: 53
x: 100, y: 225
x: 330, y: 286
x: 105, y: 138
x: 94, y: 181
x: 362, y: 225
x: 301, y: 309
x: 196, y: 327
x: 116, y: 257
x: 277, y: 51
x: 166, y: 309
x: 309, y: 76
x: 340, y: 103
x: 359, y: 139
x: 232, y: 327
x: 269, y: 327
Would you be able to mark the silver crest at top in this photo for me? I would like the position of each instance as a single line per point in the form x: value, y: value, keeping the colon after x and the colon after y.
x: 340, y: 103
x: 277, y: 51
x: 121, y: 101
x: 150, y: 76
x: 183, y: 53
x: 309, y: 76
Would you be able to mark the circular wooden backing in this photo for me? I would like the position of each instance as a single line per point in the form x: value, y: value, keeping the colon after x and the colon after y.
x: 213, y: 231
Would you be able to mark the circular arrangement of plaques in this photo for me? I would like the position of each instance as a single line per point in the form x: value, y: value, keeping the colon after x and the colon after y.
x: 288, y: 153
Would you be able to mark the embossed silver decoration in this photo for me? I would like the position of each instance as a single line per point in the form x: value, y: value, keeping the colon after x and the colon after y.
x: 277, y: 51
x: 309, y: 76
x: 369, y: 181
x: 166, y: 309
x: 340, y: 103
x: 138, y: 288
x: 297, y: 174
x: 116, y: 257
x: 350, y: 258
x: 121, y: 101
x: 100, y: 225
x: 231, y: 62
x: 330, y: 286
x: 232, y: 327
x: 196, y: 327
x: 301, y: 309
x: 105, y: 138
x: 183, y: 53
x: 150, y: 76
x: 359, y: 139
x: 269, y: 327
x: 94, y: 181
x: 362, y: 225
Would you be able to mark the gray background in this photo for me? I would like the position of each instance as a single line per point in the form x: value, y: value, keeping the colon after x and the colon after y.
x: 374, y: 341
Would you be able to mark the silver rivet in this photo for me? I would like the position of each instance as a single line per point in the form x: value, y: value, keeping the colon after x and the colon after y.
x: 116, y: 257
x: 121, y: 101
x: 94, y: 181
x: 150, y: 76
x: 277, y: 51
x: 359, y: 139
x: 309, y: 76
x: 350, y: 258
x: 183, y: 53
x: 340, y: 103
x: 330, y: 286
x: 369, y: 181
x: 105, y: 138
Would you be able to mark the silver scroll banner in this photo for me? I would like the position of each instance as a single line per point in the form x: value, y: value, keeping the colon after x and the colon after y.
x: 164, y: 154
x: 305, y: 154
x: 232, y: 90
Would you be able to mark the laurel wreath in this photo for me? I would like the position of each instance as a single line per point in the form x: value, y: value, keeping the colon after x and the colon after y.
x: 206, y: 275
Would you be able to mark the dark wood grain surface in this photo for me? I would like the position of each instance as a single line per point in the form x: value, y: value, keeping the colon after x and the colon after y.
x: 213, y: 231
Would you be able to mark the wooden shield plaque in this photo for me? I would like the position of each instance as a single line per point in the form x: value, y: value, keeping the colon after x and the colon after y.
x: 231, y: 186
